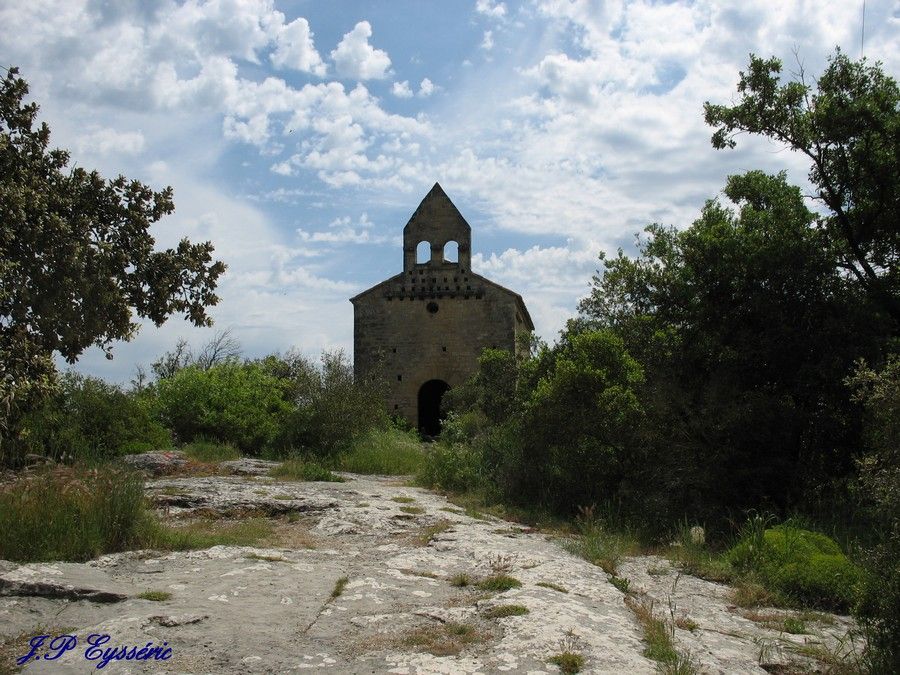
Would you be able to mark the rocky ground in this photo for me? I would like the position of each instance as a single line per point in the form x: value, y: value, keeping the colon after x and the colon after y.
x: 368, y: 578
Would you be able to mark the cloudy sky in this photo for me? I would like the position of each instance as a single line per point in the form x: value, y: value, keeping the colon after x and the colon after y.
x: 299, y: 136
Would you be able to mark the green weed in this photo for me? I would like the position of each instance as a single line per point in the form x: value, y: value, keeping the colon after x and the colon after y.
x: 155, y: 596
x: 552, y: 586
x: 568, y: 662
x: 498, y: 583
x: 501, y: 611
x: 412, y: 509
x: 339, y: 587
x: 460, y: 580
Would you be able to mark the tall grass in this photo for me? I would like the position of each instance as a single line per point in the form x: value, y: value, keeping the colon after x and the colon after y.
x: 76, y: 514
x: 388, y: 451
x: 203, y: 450
x: 600, y: 544
x: 304, y: 470
x: 205, y: 534
x: 71, y: 514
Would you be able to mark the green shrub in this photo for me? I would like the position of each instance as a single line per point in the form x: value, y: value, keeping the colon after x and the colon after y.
x: 232, y: 403
x: 802, y: 566
x: 463, y: 427
x: 71, y: 514
x: 331, y: 409
x: 89, y: 419
x: 383, y: 451
x: 306, y: 470
x: 451, y: 467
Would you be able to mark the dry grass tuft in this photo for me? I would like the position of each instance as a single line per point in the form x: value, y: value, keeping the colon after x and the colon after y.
x: 425, y: 535
x: 447, y: 639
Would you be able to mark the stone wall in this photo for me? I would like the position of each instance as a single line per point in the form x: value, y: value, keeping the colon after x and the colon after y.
x: 397, y: 337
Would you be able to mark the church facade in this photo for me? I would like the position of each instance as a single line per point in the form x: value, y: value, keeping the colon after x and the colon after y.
x: 424, y: 328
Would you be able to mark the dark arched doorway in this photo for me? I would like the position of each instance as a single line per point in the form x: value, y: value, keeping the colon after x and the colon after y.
x: 430, y: 395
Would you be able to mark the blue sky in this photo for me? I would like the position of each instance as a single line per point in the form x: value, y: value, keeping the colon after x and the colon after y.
x: 300, y: 136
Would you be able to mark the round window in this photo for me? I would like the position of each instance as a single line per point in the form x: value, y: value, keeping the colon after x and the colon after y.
x: 432, y: 307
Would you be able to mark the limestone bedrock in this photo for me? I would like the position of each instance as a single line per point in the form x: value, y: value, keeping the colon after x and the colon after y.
x: 272, y: 610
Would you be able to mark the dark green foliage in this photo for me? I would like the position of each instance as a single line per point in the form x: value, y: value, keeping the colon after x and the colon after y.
x: 495, y: 384
x: 77, y: 261
x: 879, y: 489
x: 232, y: 403
x: 578, y: 414
x: 88, y: 419
x: 802, y: 566
x: 743, y: 405
x: 848, y: 125
x: 66, y: 514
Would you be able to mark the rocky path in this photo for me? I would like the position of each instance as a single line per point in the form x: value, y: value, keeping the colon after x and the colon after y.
x: 372, y: 576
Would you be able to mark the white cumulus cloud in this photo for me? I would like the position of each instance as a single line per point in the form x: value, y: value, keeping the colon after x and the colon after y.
x: 401, y: 89
x: 355, y: 58
x: 294, y: 48
x: 496, y: 10
x: 109, y: 141
x: 426, y: 88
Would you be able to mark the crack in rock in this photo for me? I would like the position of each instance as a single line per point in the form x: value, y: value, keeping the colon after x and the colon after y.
x: 42, y: 589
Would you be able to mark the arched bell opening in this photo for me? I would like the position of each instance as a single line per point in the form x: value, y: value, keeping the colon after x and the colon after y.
x: 423, y: 253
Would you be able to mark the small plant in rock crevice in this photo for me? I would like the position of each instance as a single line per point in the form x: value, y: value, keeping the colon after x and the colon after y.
x: 498, y: 583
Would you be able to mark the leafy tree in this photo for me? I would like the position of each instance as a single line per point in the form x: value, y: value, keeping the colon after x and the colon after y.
x: 77, y: 261
x: 745, y: 328
x: 553, y: 429
x: 848, y: 125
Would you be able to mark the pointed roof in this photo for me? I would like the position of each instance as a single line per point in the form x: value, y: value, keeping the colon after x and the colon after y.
x: 436, y: 201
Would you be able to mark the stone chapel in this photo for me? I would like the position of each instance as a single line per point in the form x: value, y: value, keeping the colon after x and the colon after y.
x: 423, y: 329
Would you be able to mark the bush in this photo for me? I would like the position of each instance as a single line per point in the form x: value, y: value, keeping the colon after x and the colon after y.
x: 71, y: 514
x: 451, y: 467
x: 802, y: 566
x: 573, y: 439
x: 331, y: 409
x: 89, y: 419
x: 232, y: 403
x: 463, y: 427
x: 383, y: 451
